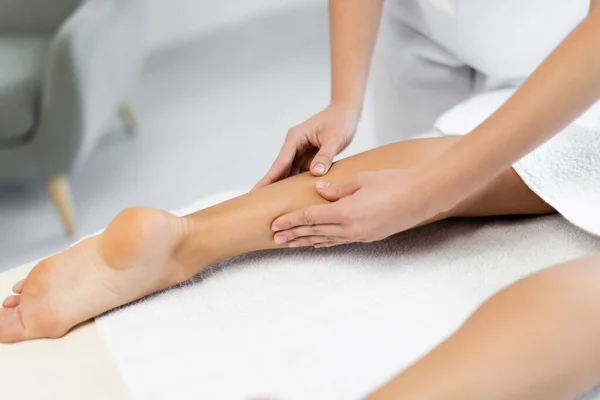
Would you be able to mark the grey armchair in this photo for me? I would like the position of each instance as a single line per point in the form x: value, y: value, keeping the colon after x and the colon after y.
x: 67, y: 68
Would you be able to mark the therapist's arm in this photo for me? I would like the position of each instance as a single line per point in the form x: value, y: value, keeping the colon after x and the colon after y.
x: 354, y: 25
x: 562, y: 88
x: 313, y: 144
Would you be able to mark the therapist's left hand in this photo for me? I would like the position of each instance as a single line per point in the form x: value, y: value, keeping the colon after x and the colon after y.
x: 369, y: 207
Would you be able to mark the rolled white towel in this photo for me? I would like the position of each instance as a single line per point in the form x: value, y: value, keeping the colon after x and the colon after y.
x: 564, y: 172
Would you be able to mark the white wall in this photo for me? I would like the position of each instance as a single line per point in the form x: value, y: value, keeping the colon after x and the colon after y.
x: 175, y: 20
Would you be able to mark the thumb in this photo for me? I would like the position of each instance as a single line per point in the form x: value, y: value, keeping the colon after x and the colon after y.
x: 335, y: 191
x: 323, y: 159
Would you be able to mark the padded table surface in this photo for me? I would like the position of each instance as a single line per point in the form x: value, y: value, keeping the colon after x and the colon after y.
x: 74, y: 367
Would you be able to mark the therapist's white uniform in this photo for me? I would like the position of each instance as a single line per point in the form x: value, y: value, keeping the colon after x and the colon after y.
x: 433, y: 54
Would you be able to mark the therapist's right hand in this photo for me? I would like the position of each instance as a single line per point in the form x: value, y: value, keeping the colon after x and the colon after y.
x: 313, y: 144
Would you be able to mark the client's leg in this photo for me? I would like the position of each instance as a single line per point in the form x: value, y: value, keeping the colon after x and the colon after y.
x: 537, y: 339
x: 145, y: 250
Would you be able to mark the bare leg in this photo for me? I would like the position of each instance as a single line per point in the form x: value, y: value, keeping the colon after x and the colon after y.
x: 537, y: 339
x: 244, y: 223
x: 145, y: 250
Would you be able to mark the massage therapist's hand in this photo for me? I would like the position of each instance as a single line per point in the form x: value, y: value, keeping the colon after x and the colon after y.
x: 314, y: 143
x: 369, y: 207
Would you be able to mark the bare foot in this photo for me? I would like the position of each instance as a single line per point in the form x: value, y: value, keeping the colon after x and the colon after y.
x: 134, y: 257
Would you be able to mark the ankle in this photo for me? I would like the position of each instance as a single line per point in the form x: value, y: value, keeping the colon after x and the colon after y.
x: 196, y: 249
x: 180, y: 266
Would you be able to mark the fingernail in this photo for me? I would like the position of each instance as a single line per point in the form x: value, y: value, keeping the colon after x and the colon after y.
x: 294, y: 244
x: 275, y: 228
x: 322, y: 185
x: 280, y: 239
x: 319, y: 169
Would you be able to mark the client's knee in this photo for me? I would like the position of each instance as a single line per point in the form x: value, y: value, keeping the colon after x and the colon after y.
x: 570, y: 291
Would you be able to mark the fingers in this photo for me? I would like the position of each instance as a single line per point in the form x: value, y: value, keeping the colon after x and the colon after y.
x: 317, y: 241
x: 329, y: 244
x: 334, y: 191
x: 280, y: 169
x: 314, y: 215
x: 302, y: 162
x: 324, y: 231
x: 305, y: 160
x: 324, y: 158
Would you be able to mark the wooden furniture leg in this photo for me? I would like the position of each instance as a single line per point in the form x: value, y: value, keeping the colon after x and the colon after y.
x: 128, y: 117
x: 60, y: 192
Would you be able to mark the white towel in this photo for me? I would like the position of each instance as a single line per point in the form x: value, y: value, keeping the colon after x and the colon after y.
x: 325, y: 324
x: 564, y: 172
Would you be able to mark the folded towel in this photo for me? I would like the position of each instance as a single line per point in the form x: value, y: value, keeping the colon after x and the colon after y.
x: 325, y: 324
x: 564, y: 172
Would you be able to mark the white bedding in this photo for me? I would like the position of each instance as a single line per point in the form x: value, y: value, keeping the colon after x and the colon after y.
x: 325, y: 324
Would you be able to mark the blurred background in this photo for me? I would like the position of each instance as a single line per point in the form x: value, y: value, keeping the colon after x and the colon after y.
x: 106, y: 104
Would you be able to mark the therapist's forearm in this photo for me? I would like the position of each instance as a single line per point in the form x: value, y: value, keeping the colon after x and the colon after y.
x: 561, y: 89
x: 353, y: 29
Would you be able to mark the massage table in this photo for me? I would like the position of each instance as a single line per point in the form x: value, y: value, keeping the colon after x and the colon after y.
x: 293, y: 324
x: 74, y: 367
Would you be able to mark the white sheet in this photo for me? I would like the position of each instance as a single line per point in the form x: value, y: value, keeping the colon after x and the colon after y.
x: 325, y: 324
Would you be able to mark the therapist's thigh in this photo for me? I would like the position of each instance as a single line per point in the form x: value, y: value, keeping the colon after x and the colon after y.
x: 413, y: 81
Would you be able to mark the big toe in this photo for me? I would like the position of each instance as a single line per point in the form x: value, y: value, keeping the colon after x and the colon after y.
x: 11, y: 327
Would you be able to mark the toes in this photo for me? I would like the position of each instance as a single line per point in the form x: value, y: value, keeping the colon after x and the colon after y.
x: 18, y: 288
x: 11, y: 328
x: 11, y: 301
